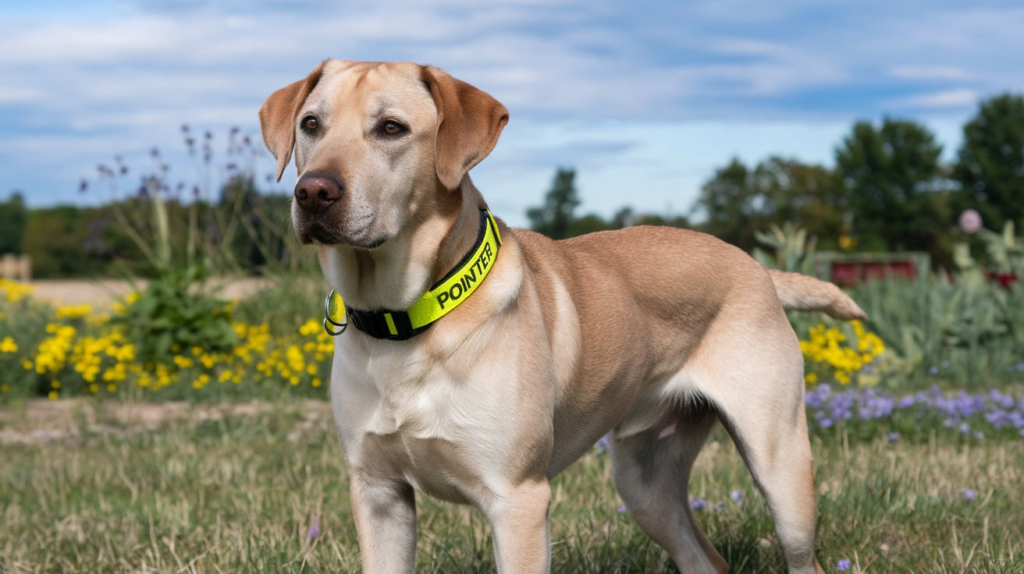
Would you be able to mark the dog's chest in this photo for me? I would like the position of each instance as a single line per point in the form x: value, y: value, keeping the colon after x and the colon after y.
x: 407, y: 418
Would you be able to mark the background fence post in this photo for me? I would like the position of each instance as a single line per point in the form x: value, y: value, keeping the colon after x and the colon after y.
x: 18, y: 267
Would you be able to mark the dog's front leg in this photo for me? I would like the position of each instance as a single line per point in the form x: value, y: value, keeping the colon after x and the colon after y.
x: 519, y: 520
x: 385, y: 515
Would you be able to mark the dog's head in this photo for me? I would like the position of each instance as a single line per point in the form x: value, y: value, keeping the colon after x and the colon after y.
x: 377, y: 145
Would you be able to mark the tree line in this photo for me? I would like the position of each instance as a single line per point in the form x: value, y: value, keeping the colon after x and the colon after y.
x: 888, y: 189
x: 72, y: 241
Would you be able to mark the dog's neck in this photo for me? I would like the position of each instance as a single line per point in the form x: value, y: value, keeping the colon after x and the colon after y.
x: 396, y: 274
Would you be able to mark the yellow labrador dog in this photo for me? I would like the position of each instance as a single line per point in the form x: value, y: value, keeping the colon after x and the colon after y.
x: 484, y: 360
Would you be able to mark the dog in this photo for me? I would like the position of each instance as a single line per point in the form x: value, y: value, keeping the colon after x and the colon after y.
x: 533, y: 349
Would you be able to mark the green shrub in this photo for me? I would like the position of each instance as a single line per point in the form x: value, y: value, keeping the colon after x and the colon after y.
x: 170, y: 315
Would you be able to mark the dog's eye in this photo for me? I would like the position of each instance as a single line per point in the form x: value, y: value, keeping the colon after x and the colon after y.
x: 309, y: 124
x: 392, y: 128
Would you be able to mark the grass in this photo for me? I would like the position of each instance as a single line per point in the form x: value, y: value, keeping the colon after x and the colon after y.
x: 236, y: 489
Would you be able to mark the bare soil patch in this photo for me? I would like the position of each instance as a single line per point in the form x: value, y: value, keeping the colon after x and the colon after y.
x: 102, y: 292
x: 41, y: 421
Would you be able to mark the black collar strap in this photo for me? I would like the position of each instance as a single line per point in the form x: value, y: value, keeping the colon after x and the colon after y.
x: 442, y: 297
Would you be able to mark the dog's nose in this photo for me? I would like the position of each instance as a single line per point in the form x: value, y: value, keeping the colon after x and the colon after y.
x: 316, y: 193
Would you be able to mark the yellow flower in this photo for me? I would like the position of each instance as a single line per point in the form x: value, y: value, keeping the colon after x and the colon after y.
x: 74, y: 311
x: 828, y: 351
x: 13, y: 291
x: 8, y: 345
x: 311, y: 327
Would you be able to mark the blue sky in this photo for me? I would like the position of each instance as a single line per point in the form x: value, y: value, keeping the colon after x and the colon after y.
x: 646, y: 99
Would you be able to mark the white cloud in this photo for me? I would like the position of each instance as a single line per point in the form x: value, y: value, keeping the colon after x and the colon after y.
x: 18, y: 95
x: 67, y: 43
x: 955, y: 98
x: 927, y: 73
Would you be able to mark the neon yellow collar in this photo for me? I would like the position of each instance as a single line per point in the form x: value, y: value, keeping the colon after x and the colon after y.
x: 438, y: 301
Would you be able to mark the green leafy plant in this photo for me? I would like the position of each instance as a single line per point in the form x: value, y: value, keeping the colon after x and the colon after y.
x: 793, y: 251
x: 171, y: 315
x: 1005, y: 253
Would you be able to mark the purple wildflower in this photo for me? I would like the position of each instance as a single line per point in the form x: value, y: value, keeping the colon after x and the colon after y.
x: 736, y: 496
x: 893, y: 437
x: 969, y: 494
x: 973, y: 415
x: 314, y: 531
x: 622, y: 508
x: 698, y: 504
x: 843, y: 565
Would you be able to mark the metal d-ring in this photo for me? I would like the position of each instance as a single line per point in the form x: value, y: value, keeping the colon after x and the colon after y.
x: 327, y: 318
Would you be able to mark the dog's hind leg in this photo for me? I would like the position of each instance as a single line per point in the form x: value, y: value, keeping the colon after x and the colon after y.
x: 760, y: 401
x: 651, y: 472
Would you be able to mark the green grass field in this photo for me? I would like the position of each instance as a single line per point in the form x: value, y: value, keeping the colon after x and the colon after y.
x: 212, y: 488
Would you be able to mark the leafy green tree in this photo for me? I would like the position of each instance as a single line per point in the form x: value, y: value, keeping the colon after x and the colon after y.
x: 54, y: 239
x: 13, y: 219
x: 589, y: 223
x: 739, y: 201
x: 806, y: 195
x: 990, y: 168
x: 555, y: 217
x: 733, y: 205
x: 895, y: 185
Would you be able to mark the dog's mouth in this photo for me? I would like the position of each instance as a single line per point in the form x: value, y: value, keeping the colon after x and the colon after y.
x: 317, y: 233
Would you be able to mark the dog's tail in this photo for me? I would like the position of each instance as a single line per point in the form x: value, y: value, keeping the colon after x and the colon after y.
x: 804, y: 293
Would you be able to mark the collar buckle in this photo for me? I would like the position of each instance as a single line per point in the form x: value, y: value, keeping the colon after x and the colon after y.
x: 334, y: 313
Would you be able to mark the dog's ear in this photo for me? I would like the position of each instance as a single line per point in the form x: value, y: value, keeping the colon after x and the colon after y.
x: 469, y: 122
x: 277, y: 117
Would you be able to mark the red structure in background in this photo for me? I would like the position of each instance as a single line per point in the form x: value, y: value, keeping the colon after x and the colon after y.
x: 850, y: 273
x: 853, y: 268
x: 848, y: 269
